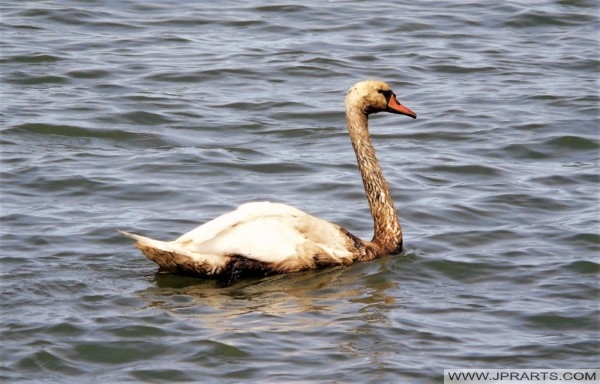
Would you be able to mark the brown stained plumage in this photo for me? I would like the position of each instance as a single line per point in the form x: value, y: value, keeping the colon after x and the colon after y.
x: 234, y: 245
x: 387, y: 233
x: 175, y: 262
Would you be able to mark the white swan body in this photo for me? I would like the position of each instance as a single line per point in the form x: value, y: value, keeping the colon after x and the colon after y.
x: 264, y: 238
x: 261, y: 237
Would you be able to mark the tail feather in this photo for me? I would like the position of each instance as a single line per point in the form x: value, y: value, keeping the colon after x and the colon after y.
x: 171, y: 257
x: 148, y: 242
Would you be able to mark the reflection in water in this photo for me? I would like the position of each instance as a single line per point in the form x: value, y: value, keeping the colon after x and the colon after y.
x: 350, y: 307
x: 359, y: 292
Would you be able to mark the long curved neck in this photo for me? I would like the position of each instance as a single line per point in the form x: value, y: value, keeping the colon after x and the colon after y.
x: 387, y: 236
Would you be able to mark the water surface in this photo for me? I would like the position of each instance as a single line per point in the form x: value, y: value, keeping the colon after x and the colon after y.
x: 158, y: 116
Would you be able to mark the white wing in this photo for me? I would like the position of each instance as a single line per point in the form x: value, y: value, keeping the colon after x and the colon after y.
x: 267, y: 232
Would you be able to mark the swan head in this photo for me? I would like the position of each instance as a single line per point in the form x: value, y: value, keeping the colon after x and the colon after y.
x: 372, y: 96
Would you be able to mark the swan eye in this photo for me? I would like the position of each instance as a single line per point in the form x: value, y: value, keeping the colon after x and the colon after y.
x: 387, y: 93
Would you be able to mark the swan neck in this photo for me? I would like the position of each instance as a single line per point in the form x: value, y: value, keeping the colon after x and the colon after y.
x: 387, y: 236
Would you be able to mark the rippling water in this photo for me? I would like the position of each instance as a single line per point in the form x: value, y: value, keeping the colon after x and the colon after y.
x: 157, y: 116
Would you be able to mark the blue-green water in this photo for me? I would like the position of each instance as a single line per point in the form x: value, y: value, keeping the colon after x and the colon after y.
x: 158, y: 116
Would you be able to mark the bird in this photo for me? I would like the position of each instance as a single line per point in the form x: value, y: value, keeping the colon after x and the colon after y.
x: 264, y: 238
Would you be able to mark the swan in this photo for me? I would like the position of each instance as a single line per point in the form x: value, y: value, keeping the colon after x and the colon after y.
x: 262, y: 238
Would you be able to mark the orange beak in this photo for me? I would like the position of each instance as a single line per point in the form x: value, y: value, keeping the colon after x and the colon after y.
x: 394, y: 106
